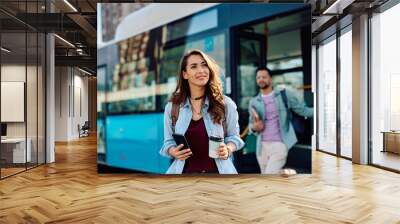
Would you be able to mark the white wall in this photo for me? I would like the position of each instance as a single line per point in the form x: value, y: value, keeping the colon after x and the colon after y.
x: 13, y: 101
x: 33, y: 126
x: 12, y: 73
x: 71, y: 94
x: 61, y: 103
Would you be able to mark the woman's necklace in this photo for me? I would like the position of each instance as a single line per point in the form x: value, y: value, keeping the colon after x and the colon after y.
x: 197, y: 98
x: 198, y: 113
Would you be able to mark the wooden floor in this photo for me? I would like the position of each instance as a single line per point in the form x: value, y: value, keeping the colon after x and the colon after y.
x: 387, y: 159
x: 5, y: 172
x: 10, y: 171
x: 71, y: 191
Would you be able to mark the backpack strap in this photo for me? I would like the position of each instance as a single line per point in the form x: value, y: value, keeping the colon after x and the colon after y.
x: 285, y: 101
x: 224, y: 125
x: 174, y: 115
x: 284, y: 98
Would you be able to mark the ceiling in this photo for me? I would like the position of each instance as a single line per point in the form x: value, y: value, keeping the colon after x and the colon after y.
x: 72, y: 20
x: 75, y: 21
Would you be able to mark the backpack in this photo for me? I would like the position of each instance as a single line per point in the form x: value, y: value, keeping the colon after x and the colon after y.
x: 297, y: 120
x: 175, y: 115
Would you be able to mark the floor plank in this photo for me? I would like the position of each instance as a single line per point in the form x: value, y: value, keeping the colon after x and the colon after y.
x: 71, y: 191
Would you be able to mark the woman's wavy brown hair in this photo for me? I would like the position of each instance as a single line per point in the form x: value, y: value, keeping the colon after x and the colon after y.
x: 213, y: 87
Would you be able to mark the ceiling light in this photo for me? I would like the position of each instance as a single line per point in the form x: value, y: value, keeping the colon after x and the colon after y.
x: 70, y: 5
x: 65, y: 41
x: 5, y: 49
x: 84, y: 71
x: 328, y: 10
x: 337, y: 7
x: 79, y: 51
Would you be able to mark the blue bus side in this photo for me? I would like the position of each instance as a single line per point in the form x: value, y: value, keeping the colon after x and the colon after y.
x: 133, y: 142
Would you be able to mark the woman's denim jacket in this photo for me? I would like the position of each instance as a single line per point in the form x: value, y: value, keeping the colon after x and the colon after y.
x: 182, y: 124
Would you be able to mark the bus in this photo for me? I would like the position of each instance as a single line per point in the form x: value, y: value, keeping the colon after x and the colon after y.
x: 137, y: 72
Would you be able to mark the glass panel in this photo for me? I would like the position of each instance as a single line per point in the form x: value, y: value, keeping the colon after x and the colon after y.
x: 214, y: 46
x: 314, y: 87
x: 41, y: 98
x: 250, y: 55
x: 32, y: 85
x: 327, y: 96
x: 284, y: 51
x: 346, y: 94
x: 385, y: 84
x: 285, y: 63
x: 13, y: 85
x: 31, y: 98
x: 282, y: 24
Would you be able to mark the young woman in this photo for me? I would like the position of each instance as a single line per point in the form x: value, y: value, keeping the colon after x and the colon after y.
x: 203, y: 111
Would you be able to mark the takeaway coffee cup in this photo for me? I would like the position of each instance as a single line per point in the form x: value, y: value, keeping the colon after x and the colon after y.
x: 213, y: 145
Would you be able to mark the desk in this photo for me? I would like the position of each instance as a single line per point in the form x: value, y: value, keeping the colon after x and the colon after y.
x: 18, y: 149
x: 391, y: 141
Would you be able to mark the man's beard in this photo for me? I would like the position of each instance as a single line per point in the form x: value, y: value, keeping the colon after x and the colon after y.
x: 264, y: 86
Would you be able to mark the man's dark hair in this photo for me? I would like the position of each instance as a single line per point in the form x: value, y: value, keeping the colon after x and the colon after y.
x: 264, y: 68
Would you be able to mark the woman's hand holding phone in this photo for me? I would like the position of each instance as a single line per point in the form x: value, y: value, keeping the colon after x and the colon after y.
x: 179, y: 153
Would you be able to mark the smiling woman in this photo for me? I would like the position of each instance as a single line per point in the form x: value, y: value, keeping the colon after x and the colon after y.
x: 203, y: 111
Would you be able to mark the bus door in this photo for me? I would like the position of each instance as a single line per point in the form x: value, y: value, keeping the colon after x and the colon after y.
x: 249, y: 53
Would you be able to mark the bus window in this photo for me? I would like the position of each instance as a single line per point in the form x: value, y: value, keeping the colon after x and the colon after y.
x: 195, y: 24
x: 101, y: 89
x: 287, y: 61
x: 214, y: 46
x: 249, y: 59
x: 133, y: 87
x: 284, y: 52
x: 290, y: 80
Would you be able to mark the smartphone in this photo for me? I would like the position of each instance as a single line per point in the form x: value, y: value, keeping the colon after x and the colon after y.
x: 180, y: 139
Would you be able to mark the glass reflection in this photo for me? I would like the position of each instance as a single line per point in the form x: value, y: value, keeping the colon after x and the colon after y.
x: 327, y: 96
x: 15, y: 151
x: 346, y: 94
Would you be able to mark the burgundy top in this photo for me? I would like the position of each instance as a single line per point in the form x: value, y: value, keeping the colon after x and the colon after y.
x: 197, y: 138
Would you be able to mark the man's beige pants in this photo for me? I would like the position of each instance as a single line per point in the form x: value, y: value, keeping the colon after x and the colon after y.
x: 272, y: 157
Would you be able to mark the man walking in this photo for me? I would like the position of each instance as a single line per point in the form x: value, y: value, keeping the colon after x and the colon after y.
x: 270, y: 122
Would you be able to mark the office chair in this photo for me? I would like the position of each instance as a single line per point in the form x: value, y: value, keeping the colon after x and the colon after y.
x: 84, y: 130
